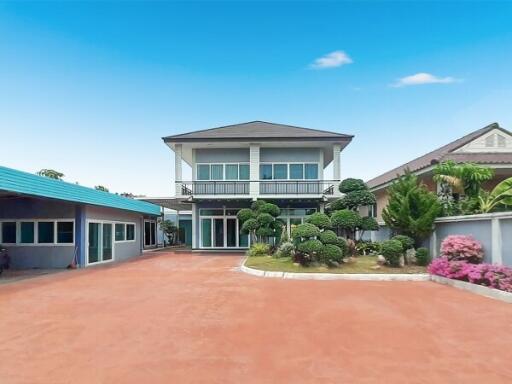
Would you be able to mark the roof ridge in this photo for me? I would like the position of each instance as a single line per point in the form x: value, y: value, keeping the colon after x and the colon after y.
x: 252, y: 122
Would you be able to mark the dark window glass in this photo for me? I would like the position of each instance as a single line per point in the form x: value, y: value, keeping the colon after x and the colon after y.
x: 120, y: 235
x: 130, y: 231
x: 65, y: 232
x: 27, y: 232
x: 45, y: 232
x: 266, y: 171
x: 9, y: 232
x: 296, y: 171
x: 244, y: 171
x: 280, y: 171
x: 311, y: 171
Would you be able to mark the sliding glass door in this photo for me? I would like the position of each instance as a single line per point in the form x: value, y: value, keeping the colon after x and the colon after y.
x: 221, y: 232
x: 100, y: 242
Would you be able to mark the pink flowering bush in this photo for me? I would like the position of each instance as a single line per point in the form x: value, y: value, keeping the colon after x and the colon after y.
x: 489, y: 275
x: 463, y: 248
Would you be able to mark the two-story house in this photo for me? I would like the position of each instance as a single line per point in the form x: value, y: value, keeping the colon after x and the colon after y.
x: 234, y: 165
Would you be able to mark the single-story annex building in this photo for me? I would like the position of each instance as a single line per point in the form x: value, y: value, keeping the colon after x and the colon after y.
x: 47, y: 223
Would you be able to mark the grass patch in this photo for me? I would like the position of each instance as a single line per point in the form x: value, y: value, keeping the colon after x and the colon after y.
x: 363, y: 264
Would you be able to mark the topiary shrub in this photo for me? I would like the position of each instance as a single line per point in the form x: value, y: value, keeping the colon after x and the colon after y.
x: 328, y: 237
x: 264, y: 232
x: 422, y: 256
x: 329, y: 253
x: 346, y: 220
x: 351, y: 185
x: 321, y: 220
x: 245, y: 214
x: 259, y: 249
x: 406, y: 241
x: 256, y: 206
x: 392, y: 251
x: 310, y: 247
x: 265, y: 219
x: 342, y: 244
x: 250, y: 225
x: 355, y: 199
x: 272, y: 209
x: 462, y: 248
x: 336, y: 205
x: 305, y: 231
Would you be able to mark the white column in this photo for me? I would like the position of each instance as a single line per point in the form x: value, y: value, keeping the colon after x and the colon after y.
x: 336, y: 170
x: 194, y: 226
x: 433, y: 244
x: 178, y: 168
x: 254, y: 170
x: 497, y: 257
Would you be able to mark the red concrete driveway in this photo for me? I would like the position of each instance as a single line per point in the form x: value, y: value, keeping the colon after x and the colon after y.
x: 179, y: 318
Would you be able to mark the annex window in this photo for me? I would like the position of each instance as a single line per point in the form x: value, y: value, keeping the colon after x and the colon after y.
x: 130, y: 232
x: 9, y: 232
x: 46, y: 232
x: 65, y: 232
x: 120, y: 233
x: 27, y: 232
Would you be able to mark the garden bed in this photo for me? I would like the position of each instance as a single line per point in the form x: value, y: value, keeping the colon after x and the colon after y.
x: 362, y: 264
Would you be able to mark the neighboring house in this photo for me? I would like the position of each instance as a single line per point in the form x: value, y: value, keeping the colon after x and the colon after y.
x: 233, y: 166
x: 46, y: 223
x: 490, y: 146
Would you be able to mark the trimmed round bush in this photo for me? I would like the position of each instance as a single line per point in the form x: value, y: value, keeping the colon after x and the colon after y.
x: 330, y: 252
x: 342, y: 244
x: 321, y: 220
x: 310, y: 246
x: 392, y: 251
x: 272, y: 209
x: 406, y: 241
x: 250, y: 225
x: 351, y: 185
x: 256, y: 206
x: 245, y: 214
x: 369, y: 223
x: 346, y: 219
x: 305, y: 231
x: 422, y: 256
x: 336, y: 205
x: 259, y: 249
x: 265, y: 231
x: 328, y: 237
x: 355, y: 199
x: 264, y: 219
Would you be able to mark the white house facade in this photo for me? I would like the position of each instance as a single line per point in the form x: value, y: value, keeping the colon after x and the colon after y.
x: 233, y: 166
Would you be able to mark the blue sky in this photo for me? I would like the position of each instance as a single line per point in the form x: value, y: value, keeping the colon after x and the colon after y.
x: 90, y: 88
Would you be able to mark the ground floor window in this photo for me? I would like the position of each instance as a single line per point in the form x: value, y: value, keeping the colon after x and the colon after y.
x: 291, y: 217
x: 220, y: 228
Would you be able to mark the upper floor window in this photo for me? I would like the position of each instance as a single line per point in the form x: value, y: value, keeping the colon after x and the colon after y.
x: 295, y: 171
x: 233, y: 171
x: 495, y: 140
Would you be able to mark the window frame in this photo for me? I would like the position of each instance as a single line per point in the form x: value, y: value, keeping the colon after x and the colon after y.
x: 125, y: 225
x: 224, y: 172
x: 289, y: 164
x: 36, y: 222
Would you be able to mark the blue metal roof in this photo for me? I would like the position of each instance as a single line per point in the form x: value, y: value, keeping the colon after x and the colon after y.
x: 12, y: 180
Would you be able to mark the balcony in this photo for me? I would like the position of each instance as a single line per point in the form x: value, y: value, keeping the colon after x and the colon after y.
x: 264, y: 187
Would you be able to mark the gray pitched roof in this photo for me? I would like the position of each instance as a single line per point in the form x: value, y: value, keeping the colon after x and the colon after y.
x: 257, y: 130
x: 446, y: 153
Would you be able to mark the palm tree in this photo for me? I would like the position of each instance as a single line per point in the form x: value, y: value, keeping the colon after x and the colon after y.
x: 51, y: 173
x: 465, y: 178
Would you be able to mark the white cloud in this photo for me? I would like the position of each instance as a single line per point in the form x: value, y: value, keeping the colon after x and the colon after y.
x: 423, y: 78
x: 332, y: 60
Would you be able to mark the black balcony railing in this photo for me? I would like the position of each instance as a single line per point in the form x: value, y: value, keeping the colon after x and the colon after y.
x: 266, y: 187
